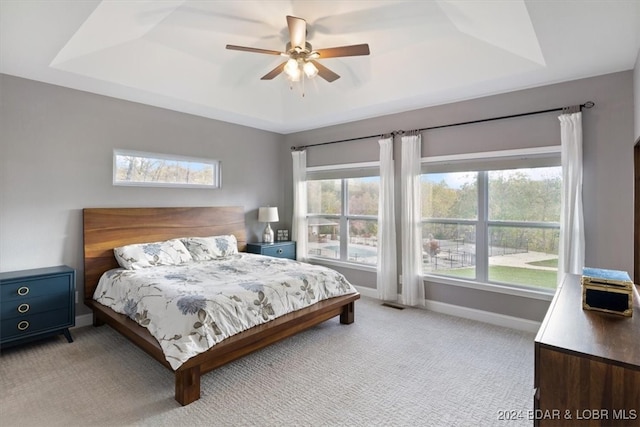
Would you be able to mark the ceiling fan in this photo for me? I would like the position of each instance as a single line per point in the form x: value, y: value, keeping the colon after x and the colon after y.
x: 302, y: 57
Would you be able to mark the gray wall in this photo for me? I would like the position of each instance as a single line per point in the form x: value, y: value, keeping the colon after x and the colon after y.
x: 608, y: 165
x: 56, y: 159
x: 56, y: 146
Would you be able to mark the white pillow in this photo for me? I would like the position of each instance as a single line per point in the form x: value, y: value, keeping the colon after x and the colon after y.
x: 144, y: 255
x: 209, y: 248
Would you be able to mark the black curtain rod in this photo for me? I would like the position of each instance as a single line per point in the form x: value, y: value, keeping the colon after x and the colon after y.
x: 588, y: 104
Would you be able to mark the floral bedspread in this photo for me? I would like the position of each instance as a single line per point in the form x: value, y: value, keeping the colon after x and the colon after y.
x: 189, y: 308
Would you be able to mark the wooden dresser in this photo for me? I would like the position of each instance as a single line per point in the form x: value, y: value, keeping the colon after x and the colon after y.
x: 587, y: 364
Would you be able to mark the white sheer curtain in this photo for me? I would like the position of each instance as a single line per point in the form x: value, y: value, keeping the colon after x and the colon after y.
x: 411, y: 221
x: 299, y: 220
x: 572, y: 244
x: 387, y: 266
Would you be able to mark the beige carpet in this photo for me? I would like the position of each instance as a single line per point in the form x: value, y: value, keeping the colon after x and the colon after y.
x: 391, y: 367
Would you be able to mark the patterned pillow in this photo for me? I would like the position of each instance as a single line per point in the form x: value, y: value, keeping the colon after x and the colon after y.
x: 144, y: 255
x: 214, y: 247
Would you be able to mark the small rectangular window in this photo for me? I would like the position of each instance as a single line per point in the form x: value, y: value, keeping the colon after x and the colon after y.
x: 135, y: 168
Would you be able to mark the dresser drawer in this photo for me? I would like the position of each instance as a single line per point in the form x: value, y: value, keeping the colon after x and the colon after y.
x: 25, y: 326
x: 21, y: 289
x: 28, y: 306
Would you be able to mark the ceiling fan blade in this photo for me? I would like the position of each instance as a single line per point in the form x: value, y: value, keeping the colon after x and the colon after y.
x: 297, y: 31
x: 254, y: 50
x: 325, y: 73
x: 353, y: 50
x: 273, y: 73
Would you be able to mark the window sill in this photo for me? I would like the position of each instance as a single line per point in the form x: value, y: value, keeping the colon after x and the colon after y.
x: 343, y: 264
x: 540, y: 294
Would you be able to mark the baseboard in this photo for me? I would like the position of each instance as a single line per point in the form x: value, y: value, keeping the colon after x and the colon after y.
x: 367, y: 292
x: 483, y: 316
x: 84, y: 320
x: 468, y: 313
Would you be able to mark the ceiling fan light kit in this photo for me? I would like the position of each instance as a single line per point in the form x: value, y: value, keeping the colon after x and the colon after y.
x: 302, y: 60
x: 310, y: 70
x: 292, y: 70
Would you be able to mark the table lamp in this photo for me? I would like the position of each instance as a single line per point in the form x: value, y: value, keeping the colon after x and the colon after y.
x: 268, y: 214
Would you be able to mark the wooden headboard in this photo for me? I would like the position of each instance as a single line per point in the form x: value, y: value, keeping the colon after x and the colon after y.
x: 108, y: 228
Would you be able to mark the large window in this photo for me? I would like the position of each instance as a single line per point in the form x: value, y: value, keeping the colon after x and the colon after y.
x: 343, y: 219
x: 492, y: 226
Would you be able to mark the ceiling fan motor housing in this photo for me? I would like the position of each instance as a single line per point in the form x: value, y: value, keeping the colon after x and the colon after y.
x: 297, y: 51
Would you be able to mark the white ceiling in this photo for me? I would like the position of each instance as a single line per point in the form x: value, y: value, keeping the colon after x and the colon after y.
x: 171, y: 53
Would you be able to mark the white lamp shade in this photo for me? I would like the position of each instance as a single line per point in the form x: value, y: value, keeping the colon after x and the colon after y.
x: 310, y: 70
x: 268, y: 214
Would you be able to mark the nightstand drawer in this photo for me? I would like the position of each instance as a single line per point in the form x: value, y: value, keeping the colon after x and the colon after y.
x: 22, y: 289
x: 278, y: 249
x: 288, y: 251
x: 35, y: 324
x: 28, y: 306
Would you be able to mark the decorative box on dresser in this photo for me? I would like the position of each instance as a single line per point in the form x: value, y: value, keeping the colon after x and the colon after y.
x: 36, y: 303
x: 587, y: 364
x: 277, y: 249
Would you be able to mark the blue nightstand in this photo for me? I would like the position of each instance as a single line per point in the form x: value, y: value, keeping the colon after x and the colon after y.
x: 36, y: 303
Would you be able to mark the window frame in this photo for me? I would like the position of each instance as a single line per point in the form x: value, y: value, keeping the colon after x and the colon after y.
x: 482, y: 222
x: 343, y: 172
x: 215, y: 164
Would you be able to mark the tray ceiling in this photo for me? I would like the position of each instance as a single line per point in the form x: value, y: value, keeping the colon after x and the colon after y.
x: 172, y: 54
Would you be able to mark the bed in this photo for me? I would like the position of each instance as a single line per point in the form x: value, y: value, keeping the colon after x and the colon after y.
x: 109, y: 228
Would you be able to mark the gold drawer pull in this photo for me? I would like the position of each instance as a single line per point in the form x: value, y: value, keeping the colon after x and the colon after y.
x: 23, y: 308
x: 23, y: 325
x: 23, y: 290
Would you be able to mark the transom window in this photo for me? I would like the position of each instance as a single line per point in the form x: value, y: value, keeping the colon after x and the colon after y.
x: 135, y: 168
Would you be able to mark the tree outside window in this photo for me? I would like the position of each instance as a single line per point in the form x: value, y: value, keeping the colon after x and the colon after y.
x: 499, y: 226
